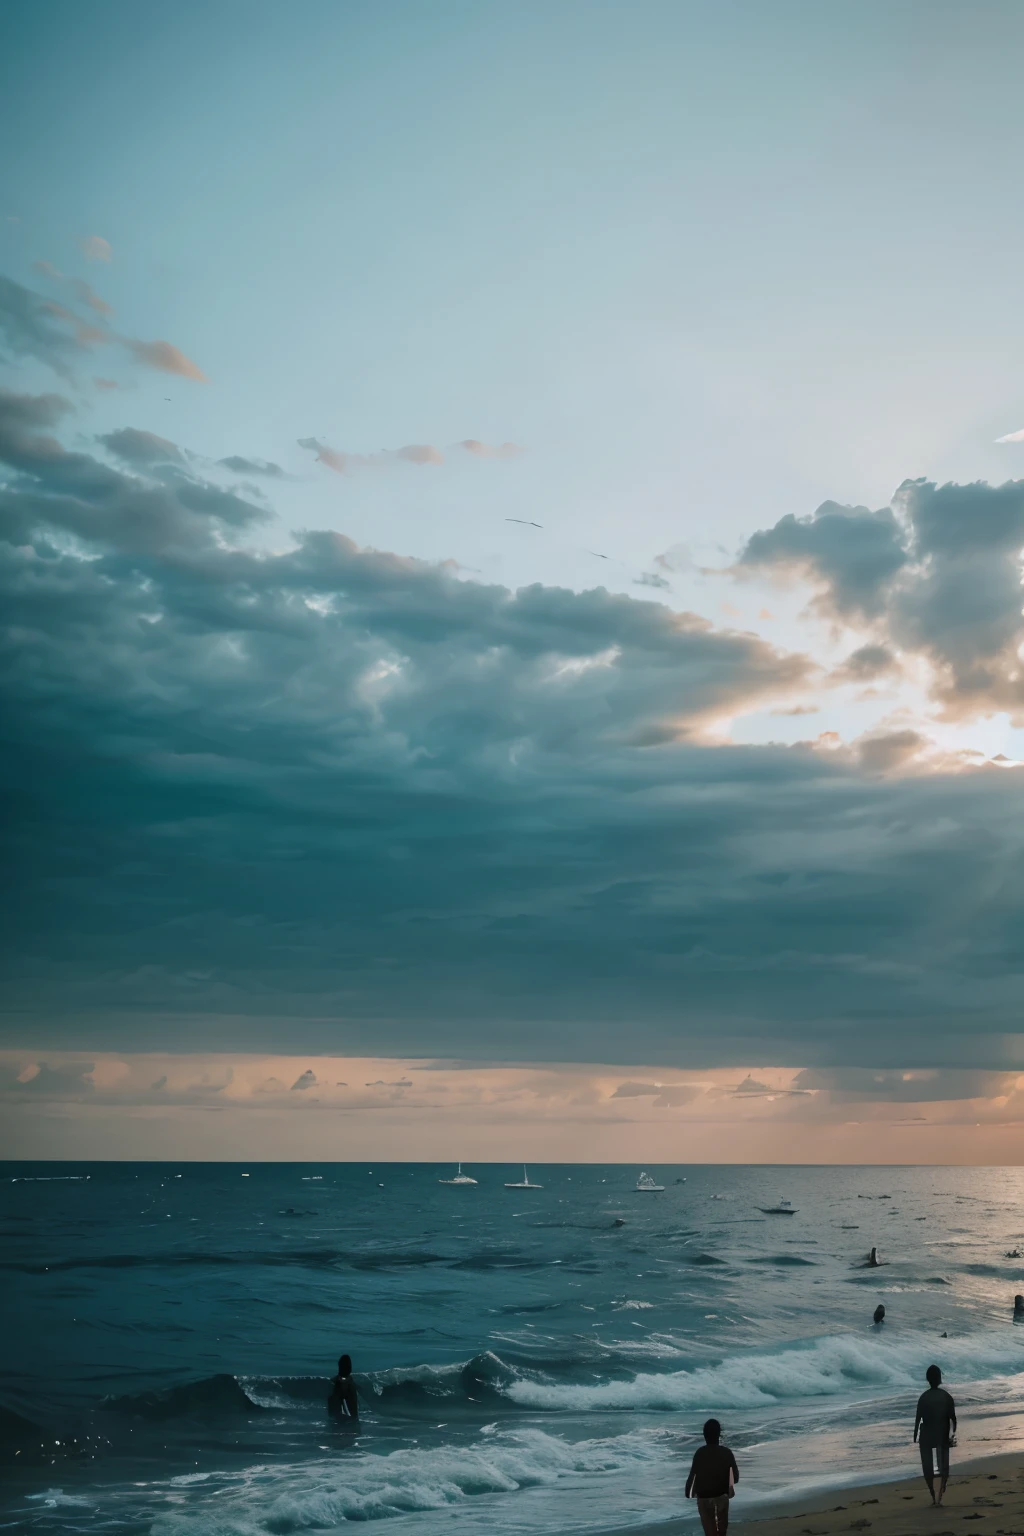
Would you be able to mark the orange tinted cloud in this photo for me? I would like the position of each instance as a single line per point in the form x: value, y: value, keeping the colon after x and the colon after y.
x: 95, y: 248
x: 488, y: 451
x: 165, y: 358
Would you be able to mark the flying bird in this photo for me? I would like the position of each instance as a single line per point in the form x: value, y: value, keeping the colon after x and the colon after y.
x: 525, y: 522
x: 597, y: 554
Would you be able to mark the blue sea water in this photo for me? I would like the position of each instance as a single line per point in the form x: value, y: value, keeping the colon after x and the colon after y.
x: 528, y: 1360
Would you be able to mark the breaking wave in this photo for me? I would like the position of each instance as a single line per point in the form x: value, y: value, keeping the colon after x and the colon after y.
x: 824, y: 1367
x: 324, y: 1494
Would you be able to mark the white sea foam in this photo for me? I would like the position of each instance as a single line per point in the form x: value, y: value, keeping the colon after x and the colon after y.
x: 323, y: 1494
x: 56, y: 1498
x: 823, y: 1368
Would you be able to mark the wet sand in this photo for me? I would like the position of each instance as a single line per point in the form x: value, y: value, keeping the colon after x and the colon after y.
x: 986, y: 1495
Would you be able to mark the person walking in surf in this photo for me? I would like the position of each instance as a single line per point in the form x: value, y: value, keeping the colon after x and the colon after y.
x: 343, y: 1402
x: 713, y: 1475
x: 934, y: 1428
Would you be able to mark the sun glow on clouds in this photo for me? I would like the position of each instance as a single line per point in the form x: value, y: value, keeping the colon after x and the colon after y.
x: 338, y: 1108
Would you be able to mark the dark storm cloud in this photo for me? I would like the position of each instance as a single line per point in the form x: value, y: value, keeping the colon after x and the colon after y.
x: 939, y: 576
x: 338, y: 798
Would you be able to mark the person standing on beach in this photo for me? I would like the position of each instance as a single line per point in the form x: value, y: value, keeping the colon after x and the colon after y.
x: 934, y: 1426
x: 712, y: 1476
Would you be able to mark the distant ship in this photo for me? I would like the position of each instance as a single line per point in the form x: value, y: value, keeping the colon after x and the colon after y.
x: 525, y: 1182
x: 646, y: 1185
x: 784, y: 1208
x: 460, y: 1178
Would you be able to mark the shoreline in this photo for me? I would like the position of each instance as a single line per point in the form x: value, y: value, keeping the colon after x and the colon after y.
x: 987, y: 1491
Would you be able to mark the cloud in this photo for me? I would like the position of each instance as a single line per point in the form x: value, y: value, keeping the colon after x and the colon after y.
x: 885, y: 751
x: 1012, y: 437
x: 488, y: 451
x: 240, y: 466
x: 33, y: 326
x: 848, y: 1085
x: 751, y: 1088
x: 652, y: 579
x: 165, y: 358
x: 865, y: 664
x: 343, y: 463
x: 95, y: 248
x: 854, y: 553
x: 83, y: 291
x: 345, y: 794
x: 937, y: 575
x: 305, y: 1080
x: 797, y: 709
x: 664, y: 1095
x: 417, y: 453
x: 412, y: 453
x: 20, y: 412
x: 135, y: 447
x: 159, y: 1084
x: 106, y: 383
x: 75, y: 494
x: 89, y: 296
x: 40, y: 1080
x: 339, y: 462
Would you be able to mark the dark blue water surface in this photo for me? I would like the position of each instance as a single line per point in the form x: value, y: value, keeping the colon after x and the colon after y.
x: 528, y: 1360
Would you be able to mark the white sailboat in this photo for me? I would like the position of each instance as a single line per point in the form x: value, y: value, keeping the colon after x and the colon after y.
x: 525, y: 1182
x: 460, y: 1178
x: 646, y: 1185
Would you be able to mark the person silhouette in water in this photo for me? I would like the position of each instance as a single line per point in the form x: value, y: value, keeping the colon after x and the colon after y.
x: 343, y: 1402
x: 934, y: 1427
x: 713, y: 1475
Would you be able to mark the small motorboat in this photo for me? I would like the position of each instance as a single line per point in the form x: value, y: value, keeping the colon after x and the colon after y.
x: 525, y: 1183
x: 460, y: 1178
x: 647, y: 1186
x: 784, y: 1208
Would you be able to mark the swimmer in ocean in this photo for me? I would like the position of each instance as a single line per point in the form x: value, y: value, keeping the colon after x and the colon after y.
x: 879, y: 1316
x: 934, y: 1428
x: 343, y: 1402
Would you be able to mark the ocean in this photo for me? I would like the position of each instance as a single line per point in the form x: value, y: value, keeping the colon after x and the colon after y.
x: 527, y: 1360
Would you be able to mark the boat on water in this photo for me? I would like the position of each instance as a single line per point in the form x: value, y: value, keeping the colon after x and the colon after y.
x: 784, y: 1208
x: 460, y: 1178
x: 646, y: 1185
x: 525, y: 1184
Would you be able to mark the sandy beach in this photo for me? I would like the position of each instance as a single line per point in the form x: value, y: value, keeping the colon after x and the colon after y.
x: 988, y: 1491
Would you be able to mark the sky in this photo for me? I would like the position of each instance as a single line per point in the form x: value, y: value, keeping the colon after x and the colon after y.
x: 510, y: 562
